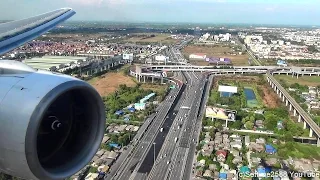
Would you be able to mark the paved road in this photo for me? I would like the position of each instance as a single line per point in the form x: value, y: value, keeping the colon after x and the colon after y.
x: 196, y: 133
x: 148, y: 161
x: 183, y: 125
x: 187, y: 142
x: 145, y: 134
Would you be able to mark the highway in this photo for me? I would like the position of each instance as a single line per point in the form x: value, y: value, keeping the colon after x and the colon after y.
x: 142, y: 146
x: 142, y: 140
x: 148, y: 161
x: 196, y: 133
x: 182, y: 152
x: 182, y: 125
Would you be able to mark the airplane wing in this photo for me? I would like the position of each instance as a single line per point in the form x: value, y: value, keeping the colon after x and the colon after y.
x: 51, y: 125
x: 16, y: 33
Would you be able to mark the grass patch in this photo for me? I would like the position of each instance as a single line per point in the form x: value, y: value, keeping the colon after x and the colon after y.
x: 298, y: 150
x: 146, y: 38
x: 303, y: 80
x: 252, y: 103
x: 158, y: 88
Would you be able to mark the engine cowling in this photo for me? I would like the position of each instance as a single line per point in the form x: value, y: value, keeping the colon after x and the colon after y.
x: 51, y: 125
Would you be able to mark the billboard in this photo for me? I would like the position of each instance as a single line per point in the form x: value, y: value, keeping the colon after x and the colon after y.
x: 127, y: 56
x: 220, y: 113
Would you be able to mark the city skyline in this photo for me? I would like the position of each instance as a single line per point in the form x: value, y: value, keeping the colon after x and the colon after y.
x: 193, y: 11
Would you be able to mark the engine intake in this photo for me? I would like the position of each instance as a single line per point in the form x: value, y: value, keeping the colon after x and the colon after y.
x: 51, y: 125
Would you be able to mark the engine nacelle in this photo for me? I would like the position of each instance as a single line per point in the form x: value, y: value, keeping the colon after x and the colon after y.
x: 51, y: 125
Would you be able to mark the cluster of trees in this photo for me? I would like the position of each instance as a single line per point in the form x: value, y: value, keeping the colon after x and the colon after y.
x: 122, y: 139
x: 272, y: 116
x: 295, y: 94
x: 236, y: 101
x: 217, y: 124
x: 209, y: 160
x: 305, y: 61
x: 249, y: 120
x: 123, y: 97
x: 299, y: 87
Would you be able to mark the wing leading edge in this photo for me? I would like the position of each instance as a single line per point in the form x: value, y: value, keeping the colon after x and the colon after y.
x: 16, y: 33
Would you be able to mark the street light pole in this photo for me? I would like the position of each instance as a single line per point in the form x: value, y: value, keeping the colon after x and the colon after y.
x: 154, y: 153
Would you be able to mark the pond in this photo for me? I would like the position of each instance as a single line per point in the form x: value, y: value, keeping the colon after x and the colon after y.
x: 249, y: 94
x: 251, y: 97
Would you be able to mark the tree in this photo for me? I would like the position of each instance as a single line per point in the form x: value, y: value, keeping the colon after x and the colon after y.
x: 113, y: 138
x: 236, y: 125
x: 270, y: 121
x: 288, y: 137
x: 229, y: 160
x: 218, y: 125
x: 249, y: 125
x: 93, y: 169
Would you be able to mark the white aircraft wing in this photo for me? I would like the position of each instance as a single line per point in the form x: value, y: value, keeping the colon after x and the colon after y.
x: 16, y: 33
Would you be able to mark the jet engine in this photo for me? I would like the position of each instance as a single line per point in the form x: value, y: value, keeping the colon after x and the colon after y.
x: 51, y: 125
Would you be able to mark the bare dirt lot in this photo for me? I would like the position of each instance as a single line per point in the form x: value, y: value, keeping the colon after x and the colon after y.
x: 269, y: 97
x: 216, y: 51
x: 108, y: 83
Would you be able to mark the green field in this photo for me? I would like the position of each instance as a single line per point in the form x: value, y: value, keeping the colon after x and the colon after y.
x: 302, y: 80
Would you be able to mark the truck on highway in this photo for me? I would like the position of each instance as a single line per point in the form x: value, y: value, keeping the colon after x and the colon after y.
x: 161, y: 129
x: 175, y: 139
x: 185, y: 107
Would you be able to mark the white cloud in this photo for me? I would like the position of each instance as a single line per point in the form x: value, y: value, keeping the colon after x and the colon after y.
x: 271, y: 8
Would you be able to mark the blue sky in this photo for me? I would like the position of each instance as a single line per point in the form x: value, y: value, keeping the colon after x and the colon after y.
x: 295, y: 12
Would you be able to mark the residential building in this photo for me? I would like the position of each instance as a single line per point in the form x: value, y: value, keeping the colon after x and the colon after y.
x: 221, y: 155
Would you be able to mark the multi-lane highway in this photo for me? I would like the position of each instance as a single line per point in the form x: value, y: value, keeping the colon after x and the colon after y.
x: 148, y: 162
x: 142, y: 146
x: 196, y: 133
x: 175, y: 149
x: 187, y: 142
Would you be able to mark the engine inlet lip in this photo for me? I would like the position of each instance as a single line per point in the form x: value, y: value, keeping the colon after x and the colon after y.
x: 86, y: 154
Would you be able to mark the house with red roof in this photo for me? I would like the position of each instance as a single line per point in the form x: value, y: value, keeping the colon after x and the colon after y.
x: 221, y: 155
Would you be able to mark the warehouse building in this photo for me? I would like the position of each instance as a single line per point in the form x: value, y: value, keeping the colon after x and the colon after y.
x: 197, y: 56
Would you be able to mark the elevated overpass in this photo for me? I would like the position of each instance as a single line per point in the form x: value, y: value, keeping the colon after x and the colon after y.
x: 276, y: 69
x: 295, y: 107
x: 294, y: 71
x: 269, y: 71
